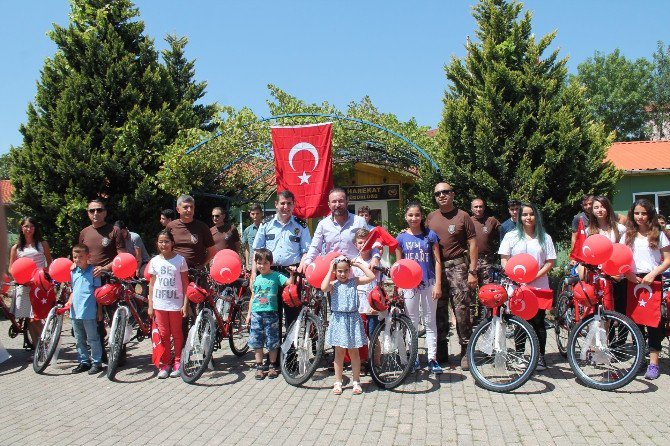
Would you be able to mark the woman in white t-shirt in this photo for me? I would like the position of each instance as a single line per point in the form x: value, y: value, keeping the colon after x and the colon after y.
x: 603, y: 220
x: 530, y: 238
x: 169, y: 277
x: 651, y: 256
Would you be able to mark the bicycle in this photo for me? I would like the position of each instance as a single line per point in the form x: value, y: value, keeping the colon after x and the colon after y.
x: 130, y: 304
x: 210, y: 327
x: 303, y: 348
x: 394, y: 344
x: 567, y: 312
x: 15, y: 327
x: 599, y: 351
x: 499, y: 357
x: 47, y: 344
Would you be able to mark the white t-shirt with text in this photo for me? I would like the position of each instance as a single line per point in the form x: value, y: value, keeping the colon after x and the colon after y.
x: 168, y: 292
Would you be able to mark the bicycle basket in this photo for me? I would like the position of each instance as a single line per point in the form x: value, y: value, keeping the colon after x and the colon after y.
x: 492, y: 295
x: 195, y: 293
x: 585, y: 294
x: 378, y: 299
x: 290, y: 296
x: 108, y: 293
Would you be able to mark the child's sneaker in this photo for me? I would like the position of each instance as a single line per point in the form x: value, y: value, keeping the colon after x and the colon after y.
x: 176, y: 372
x: 434, y: 367
x: 652, y: 372
x: 164, y: 372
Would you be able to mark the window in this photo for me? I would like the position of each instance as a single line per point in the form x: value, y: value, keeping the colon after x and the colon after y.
x: 660, y: 200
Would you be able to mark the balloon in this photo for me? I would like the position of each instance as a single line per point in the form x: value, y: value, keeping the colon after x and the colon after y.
x: 621, y: 260
x: 22, y: 270
x: 406, y: 273
x: 523, y: 303
x: 597, y: 249
x: 316, y: 271
x: 124, y: 265
x: 522, y: 268
x: 59, y: 270
x: 226, y: 266
x: 146, y: 273
x: 5, y: 283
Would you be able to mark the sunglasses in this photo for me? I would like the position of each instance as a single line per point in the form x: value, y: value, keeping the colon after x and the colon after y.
x: 443, y: 192
x: 216, y: 215
x: 96, y: 210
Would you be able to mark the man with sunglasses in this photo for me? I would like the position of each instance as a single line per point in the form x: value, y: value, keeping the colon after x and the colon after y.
x: 224, y: 233
x: 104, y: 242
x: 458, y: 249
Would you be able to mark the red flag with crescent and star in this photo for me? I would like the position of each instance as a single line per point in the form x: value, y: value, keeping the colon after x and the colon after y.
x: 576, y: 252
x: 157, y: 347
x: 644, y: 303
x: 303, y: 164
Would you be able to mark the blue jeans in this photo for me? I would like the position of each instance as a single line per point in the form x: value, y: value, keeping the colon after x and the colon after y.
x: 86, y: 330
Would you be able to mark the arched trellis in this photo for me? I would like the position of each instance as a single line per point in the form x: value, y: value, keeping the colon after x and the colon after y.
x: 376, y: 149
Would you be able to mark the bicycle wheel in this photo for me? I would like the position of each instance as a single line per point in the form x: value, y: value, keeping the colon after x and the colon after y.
x: 116, y: 336
x: 501, y: 363
x: 238, y: 332
x: 199, y: 347
x: 48, y: 342
x: 564, y: 313
x: 606, y: 354
x: 393, y: 351
x: 299, y: 362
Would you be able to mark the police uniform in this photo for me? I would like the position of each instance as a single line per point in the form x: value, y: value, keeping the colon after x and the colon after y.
x: 288, y: 242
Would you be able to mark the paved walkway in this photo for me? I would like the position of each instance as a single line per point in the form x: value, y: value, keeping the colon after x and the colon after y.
x: 228, y: 406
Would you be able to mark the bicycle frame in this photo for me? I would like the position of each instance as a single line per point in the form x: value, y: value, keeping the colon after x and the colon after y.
x: 126, y: 303
x: 15, y: 327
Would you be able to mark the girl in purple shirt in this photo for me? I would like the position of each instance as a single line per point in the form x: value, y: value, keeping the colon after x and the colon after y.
x: 421, y: 244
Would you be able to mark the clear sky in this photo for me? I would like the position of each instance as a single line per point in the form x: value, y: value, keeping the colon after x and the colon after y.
x: 338, y: 51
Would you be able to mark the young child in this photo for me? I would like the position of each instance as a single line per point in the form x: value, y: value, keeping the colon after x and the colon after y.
x: 345, y: 329
x: 421, y: 244
x: 169, y: 275
x: 84, y: 312
x: 369, y: 316
x: 262, y: 317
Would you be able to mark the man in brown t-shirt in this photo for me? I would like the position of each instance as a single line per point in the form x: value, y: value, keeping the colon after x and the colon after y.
x: 458, y: 248
x: 192, y: 238
x: 487, y: 230
x: 104, y: 242
x: 224, y: 233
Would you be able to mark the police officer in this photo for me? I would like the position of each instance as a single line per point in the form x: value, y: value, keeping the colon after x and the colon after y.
x: 288, y: 238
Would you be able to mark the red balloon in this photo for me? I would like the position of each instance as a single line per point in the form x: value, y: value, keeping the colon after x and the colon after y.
x: 226, y: 266
x: 523, y: 303
x: 406, y: 273
x: 22, y: 270
x: 522, y: 268
x: 60, y: 269
x: 597, y: 249
x: 316, y: 271
x: 621, y: 260
x: 146, y: 273
x: 124, y: 265
x: 5, y: 283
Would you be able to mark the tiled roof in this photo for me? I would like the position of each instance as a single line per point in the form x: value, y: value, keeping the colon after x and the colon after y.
x: 6, y: 190
x: 637, y: 156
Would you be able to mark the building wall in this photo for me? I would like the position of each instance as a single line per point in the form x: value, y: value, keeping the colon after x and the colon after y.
x: 635, y: 184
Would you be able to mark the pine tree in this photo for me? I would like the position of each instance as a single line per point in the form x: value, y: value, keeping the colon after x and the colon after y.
x: 104, y: 111
x: 513, y: 127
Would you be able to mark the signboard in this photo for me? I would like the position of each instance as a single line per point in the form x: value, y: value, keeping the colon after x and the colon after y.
x: 373, y: 192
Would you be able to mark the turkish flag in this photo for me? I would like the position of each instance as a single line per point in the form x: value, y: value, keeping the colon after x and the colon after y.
x: 41, y: 300
x: 303, y: 164
x: 379, y: 237
x: 644, y: 303
x: 157, y: 347
x: 545, y: 298
x: 576, y: 253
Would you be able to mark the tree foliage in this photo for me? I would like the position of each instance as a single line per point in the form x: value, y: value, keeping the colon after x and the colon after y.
x: 618, y: 92
x: 659, y: 110
x: 513, y: 127
x: 105, y: 109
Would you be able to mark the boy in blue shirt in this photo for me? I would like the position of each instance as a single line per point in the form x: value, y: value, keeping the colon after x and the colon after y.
x: 84, y: 312
x: 262, y: 316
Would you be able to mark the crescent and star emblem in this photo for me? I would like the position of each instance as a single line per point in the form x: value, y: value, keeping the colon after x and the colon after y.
x: 153, y: 332
x: 304, y: 178
x: 641, y: 286
x: 584, y: 251
x: 222, y: 271
x: 521, y: 267
x: 520, y: 305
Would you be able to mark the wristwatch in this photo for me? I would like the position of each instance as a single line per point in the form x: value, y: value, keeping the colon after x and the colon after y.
x: 473, y: 272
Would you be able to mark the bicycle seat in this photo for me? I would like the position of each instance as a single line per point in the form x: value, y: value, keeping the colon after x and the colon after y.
x: 572, y: 280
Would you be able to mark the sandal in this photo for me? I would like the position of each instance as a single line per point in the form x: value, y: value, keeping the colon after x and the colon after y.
x: 259, y: 372
x: 337, y: 388
x: 357, y: 388
x: 272, y: 372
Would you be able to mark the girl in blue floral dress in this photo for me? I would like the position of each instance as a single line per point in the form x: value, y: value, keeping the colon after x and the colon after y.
x: 345, y: 328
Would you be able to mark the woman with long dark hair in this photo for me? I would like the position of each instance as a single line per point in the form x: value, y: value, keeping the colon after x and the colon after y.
x: 531, y: 238
x: 31, y: 245
x: 651, y: 257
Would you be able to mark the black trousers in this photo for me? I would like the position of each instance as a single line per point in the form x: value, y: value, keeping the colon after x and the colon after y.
x: 537, y: 322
